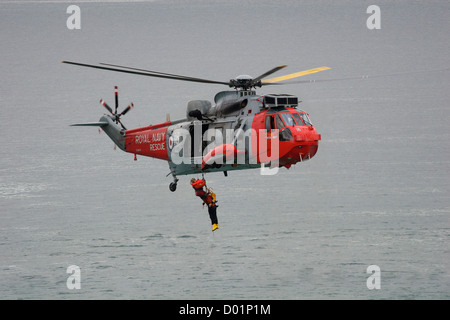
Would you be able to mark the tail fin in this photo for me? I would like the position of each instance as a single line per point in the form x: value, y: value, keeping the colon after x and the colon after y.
x: 110, y: 127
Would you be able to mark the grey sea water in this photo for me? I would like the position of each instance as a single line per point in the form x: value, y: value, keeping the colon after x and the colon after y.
x: 376, y: 193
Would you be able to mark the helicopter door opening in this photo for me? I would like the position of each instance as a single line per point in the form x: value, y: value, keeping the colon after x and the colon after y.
x: 197, y: 142
x: 271, y: 120
x: 273, y: 124
x: 214, y: 137
x: 270, y: 124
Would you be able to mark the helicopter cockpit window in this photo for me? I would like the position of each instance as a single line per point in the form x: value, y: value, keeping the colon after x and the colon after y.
x: 298, y: 119
x: 286, y: 135
x: 280, y: 123
x: 306, y: 119
x: 288, y: 119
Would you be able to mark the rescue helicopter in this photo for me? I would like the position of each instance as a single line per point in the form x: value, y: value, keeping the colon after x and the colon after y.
x: 241, y: 130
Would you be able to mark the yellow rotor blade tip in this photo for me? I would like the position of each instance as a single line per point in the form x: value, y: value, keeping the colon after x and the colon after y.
x: 295, y: 75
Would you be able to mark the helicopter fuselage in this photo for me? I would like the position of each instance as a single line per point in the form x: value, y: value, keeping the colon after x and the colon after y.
x: 241, y: 131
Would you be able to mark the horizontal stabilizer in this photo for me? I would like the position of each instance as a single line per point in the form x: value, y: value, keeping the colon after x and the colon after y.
x: 90, y: 124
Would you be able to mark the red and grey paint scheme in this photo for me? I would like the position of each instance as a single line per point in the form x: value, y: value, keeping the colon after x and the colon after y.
x: 241, y: 130
x: 249, y: 126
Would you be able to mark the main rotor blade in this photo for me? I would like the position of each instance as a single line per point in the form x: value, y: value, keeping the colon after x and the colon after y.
x: 155, y: 72
x: 363, y: 77
x: 268, y: 73
x: 294, y: 75
x: 149, y: 74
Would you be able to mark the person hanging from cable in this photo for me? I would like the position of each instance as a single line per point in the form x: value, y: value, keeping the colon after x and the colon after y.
x: 209, y: 198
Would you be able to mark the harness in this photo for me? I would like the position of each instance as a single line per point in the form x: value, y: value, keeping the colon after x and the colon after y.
x: 208, y: 196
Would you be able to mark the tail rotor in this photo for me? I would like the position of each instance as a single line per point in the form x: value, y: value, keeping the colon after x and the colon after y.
x: 116, y: 117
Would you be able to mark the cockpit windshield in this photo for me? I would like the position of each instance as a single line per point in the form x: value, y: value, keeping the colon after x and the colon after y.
x: 283, y: 120
x: 302, y: 119
x: 288, y: 120
x: 297, y: 118
x: 280, y: 124
x: 306, y: 119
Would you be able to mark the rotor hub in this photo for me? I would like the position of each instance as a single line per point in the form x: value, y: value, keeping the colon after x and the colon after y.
x: 244, y: 82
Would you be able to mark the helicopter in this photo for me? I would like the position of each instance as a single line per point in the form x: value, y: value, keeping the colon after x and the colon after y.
x: 242, y: 130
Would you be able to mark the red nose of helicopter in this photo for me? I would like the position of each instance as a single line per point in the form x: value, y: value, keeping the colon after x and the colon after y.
x: 303, y: 145
x: 289, y: 130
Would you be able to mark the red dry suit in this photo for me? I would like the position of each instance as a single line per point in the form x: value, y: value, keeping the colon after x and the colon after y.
x: 207, y: 199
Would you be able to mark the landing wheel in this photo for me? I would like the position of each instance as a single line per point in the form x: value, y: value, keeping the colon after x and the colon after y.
x: 173, y: 186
